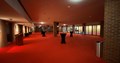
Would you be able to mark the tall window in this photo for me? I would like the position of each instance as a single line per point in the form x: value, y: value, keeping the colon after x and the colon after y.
x: 76, y: 29
x: 94, y: 30
x: 64, y: 29
x: 98, y: 29
x: 80, y: 29
x: 87, y: 29
x: 69, y: 28
x: 16, y: 29
x: 90, y: 30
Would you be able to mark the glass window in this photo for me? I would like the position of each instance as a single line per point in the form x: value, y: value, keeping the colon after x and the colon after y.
x: 64, y: 29
x: 90, y: 30
x: 76, y: 29
x: 94, y: 30
x: 80, y: 29
x: 98, y: 29
x: 87, y: 29
x: 69, y: 28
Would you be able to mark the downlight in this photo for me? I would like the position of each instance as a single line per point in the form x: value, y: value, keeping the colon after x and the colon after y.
x: 75, y: 1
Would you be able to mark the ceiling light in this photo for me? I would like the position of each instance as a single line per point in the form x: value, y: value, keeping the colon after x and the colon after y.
x: 64, y: 24
x: 42, y: 22
x: 75, y: 1
x: 6, y: 19
x: 40, y: 25
x: 57, y: 26
x: 90, y: 16
x: 69, y: 6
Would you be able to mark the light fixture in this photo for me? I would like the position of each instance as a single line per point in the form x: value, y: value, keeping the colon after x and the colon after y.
x: 64, y: 24
x: 6, y: 18
x: 75, y: 1
x: 40, y: 25
x: 57, y: 26
x: 69, y: 6
x: 90, y: 16
x: 42, y: 22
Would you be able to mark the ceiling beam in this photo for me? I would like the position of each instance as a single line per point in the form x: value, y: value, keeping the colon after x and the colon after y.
x: 16, y: 5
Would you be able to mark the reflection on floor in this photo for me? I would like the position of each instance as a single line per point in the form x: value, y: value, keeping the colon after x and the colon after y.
x: 38, y: 49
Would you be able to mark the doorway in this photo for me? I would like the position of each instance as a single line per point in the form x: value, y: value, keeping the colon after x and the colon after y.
x: 9, y: 29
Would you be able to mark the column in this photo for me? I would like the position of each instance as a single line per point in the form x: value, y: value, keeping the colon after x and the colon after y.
x: 24, y: 31
x: 28, y: 29
x: 61, y: 28
x: 102, y: 29
x: 3, y: 34
x: 111, y: 47
x: 84, y: 28
x: 13, y: 30
x: 55, y: 28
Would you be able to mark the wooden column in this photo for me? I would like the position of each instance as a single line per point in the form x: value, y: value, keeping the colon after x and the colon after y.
x: 3, y: 34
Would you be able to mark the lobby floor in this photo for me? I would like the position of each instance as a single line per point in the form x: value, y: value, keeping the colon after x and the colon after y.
x: 38, y: 49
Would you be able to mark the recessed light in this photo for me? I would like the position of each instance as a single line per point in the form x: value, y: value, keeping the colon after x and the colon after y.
x: 40, y: 25
x: 42, y: 22
x: 57, y: 26
x: 69, y: 6
x: 64, y: 24
x: 75, y: 1
x: 90, y: 16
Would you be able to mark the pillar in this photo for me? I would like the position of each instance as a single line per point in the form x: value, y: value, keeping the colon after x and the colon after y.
x: 102, y: 29
x: 55, y: 28
x: 24, y: 31
x: 27, y: 29
x: 3, y: 34
x: 84, y: 28
x: 111, y: 47
x: 61, y: 28
x: 13, y: 31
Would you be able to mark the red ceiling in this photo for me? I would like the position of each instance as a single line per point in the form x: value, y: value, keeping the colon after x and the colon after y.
x: 57, y: 10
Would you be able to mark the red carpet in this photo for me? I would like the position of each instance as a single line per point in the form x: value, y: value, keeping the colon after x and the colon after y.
x: 38, y: 49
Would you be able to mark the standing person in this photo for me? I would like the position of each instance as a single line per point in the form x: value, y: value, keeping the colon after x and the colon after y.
x: 43, y: 31
x: 71, y: 33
